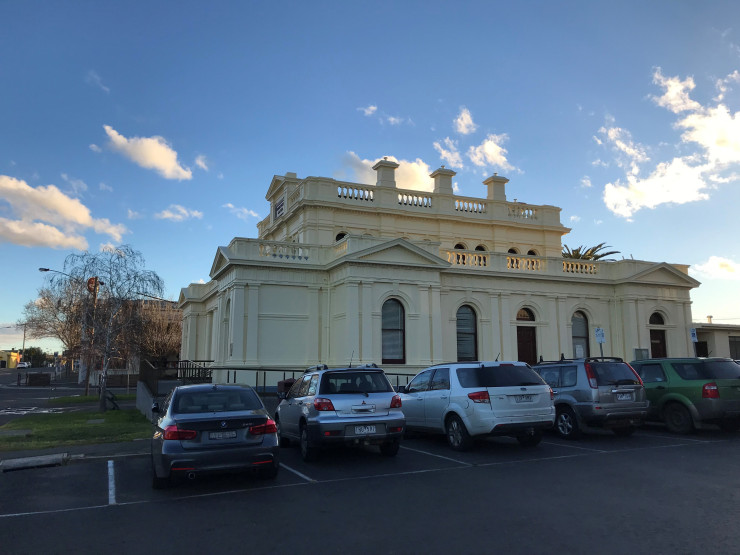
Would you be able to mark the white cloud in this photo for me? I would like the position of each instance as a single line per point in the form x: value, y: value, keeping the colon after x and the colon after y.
x: 629, y: 154
x: 449, y: 153
x: 723, y: 85
x: 46, y: 217
x: 717, y: 267
x: 586, y: 182
x: 574, y: 219
x: 201, y: 162
x: 95, y: 148
x: 675, y: 93
x: 78, y: 186
x: 464, y: 122
x: 104, y: 187
x: 177, y: 213
x: 717, y: 131
x: 369, y: 111
x: 675, y: 181
x: 153, y: 153
x: 456, y: 188
x: 491, y: 153
x: 393, y: 120
x: 92, y: 78
x: 240, y: 212
x: 409, y: 175
x: 133, y: 215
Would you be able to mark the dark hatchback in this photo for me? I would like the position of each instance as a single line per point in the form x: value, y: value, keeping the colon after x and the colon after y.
x: 205, y: 428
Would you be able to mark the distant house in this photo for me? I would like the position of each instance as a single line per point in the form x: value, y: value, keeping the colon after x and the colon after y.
x: 349, y: 272
x: 9, y: 359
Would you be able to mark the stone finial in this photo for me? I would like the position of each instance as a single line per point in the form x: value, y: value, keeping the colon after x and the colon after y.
x: 443, y: 180
x: 386, y: 173
x: 496, y: 187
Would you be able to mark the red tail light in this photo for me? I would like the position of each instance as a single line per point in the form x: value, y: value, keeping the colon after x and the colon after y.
x: 710, y: 391
x: 268, y: 427
x: 323, y: 404
x: 173, y: 432
x: 639, y: 379
x: 591, y: 375
x: 396, y: 402
x: 479, y: 397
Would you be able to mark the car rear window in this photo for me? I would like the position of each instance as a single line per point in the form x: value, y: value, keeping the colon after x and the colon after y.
x: 707, y: 370
x: 503, y: 375
x: 354, y: 382
x: 216, y: 401
x: 613, y: 373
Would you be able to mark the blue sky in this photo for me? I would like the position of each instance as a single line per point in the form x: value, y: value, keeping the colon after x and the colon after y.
x: 161, y: 124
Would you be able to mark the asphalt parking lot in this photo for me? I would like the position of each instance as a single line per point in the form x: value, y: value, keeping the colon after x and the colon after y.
x: 654, y: 492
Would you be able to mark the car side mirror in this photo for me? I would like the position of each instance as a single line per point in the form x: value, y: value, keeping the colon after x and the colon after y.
x: 155, y: 408
x: 402, y: 389
x: 282, y: 395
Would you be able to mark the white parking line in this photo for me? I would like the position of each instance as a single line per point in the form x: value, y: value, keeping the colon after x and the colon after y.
x: 576, y: 447
x: 299, y: 474
x: 111, y: 484
x: 435, y: 455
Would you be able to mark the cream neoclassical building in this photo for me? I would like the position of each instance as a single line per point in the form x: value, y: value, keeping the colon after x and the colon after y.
x: 346, y: 272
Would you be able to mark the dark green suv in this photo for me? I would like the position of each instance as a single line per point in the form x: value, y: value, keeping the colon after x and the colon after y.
x: 688, y: 393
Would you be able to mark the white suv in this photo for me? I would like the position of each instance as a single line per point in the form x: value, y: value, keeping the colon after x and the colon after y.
x: 23, y: 365
x: 468, y: 399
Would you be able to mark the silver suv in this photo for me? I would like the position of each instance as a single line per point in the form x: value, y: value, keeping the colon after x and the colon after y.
x: 465, y: 400
x: 341, y: 405
x: 601, y: 392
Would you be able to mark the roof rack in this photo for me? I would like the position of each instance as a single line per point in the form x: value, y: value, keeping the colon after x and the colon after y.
x: 585, y: 359
x: 317, y: 367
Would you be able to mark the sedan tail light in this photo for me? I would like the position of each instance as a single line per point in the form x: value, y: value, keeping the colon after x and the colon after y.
x: 268, y: 427
x: 591, y: 375
x: 323, y: 404
x: 396, y: 402
x: 173, y: 432
x: 479, y: 397
x: 710, y: 391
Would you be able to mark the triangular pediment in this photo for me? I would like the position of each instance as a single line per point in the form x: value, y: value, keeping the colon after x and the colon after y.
x: 220, y: 262
x: 275, y: 184
x: 397, y: 252
x: 663, y: 274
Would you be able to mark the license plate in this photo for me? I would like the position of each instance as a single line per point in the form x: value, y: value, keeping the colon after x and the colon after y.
x: 222, y: 435
x: 523, y: 398
x: 624, y: 396
x: 359, y: 430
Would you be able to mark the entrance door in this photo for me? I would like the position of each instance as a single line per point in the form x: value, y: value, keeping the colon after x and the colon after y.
x: 526, y: 341
x: 657, y: 344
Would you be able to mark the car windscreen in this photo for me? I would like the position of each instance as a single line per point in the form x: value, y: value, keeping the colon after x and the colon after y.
x: 216, y: 401
x: 707, y: 370
x: 503, y: 375
x: 354, y: 382
x: 614, y: 373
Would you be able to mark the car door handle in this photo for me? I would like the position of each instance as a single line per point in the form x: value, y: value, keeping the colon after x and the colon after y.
x: 443, y: 397
x: 660, y: 387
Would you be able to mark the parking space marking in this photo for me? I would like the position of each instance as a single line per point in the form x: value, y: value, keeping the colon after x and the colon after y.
x: 294, y: 471
x: 111, y: 484
x: 435, y: 455
x: 674, y: 438
x: 576, y: 447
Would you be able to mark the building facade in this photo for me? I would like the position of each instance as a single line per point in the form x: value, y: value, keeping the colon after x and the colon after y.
x: 351, y: 273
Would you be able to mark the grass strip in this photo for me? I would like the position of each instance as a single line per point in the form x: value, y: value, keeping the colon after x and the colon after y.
x: 74, y: 428
x: 86, y: 399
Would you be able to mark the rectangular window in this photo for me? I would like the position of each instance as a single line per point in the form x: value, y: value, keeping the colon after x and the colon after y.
x: 735, y: 347
x: 279, y: 209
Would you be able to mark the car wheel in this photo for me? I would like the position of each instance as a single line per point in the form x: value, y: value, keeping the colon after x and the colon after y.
x: 566, y: 424
x: 284, y: 441
x: 157, y: 482
x: 457, y: 434
x: 529, y: 438
x: 270, y: 472
x: 308, y: 452
x: 730, y: 425
x: 678, y: 418
x: 390, y: 448
x: 626, y: 431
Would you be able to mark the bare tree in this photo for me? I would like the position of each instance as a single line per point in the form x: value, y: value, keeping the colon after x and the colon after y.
x: 57, y: 313
x: 115, y: 278
x: 162, y: 327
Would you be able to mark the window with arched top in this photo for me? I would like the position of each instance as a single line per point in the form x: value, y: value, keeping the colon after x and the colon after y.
x: 656, y: 319
x: 393, y: 332
x: 579, y: 333
x: 340, y: 236
x: 467, y: 334
x: 481, y: 248
x: 532, y: 252
x: 525, y: 314
x: 512, y: 250
x: 460, y: 247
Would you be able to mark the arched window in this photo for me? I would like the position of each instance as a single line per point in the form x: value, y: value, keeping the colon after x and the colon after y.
x: 512, y: 250
x: 340, y: 236
x: 393, y: 333
x: 460, y: 247
x: 467, y: 334
x: 579, y: 324
x: 481, y: 248
x: 525, y: 314
x: 460, y: 258
x: 532, y: 252
x: 656, y: 319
